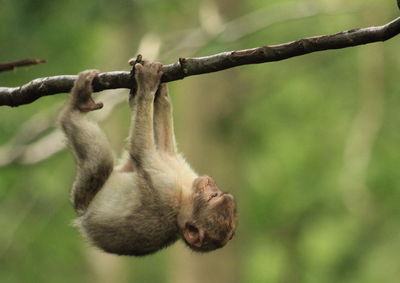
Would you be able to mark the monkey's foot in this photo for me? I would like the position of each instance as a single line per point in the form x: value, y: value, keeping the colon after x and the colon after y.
x: 82, y: 92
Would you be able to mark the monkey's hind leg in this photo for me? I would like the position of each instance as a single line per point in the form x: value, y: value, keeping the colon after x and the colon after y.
x: 90, y: 147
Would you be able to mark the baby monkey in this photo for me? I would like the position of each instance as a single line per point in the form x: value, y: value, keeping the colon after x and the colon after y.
x: 153, y: 197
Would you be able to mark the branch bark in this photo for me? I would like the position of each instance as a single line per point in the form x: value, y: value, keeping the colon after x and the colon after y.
x: 194, y: 66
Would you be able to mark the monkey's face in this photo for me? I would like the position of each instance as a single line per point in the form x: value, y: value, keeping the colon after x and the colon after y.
x: 214, y: 218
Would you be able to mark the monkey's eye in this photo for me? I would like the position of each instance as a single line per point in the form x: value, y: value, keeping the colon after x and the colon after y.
x: 213, y: 196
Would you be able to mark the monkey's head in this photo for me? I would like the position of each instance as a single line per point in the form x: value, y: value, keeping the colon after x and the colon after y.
x: 214, y: 219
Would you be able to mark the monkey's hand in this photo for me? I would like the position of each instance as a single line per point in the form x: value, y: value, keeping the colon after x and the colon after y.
x: 148, y: 77
x: 82, y: 92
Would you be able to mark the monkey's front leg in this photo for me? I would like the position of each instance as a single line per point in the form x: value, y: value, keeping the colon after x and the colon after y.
x: 163, y: 121
x: 142, y: 135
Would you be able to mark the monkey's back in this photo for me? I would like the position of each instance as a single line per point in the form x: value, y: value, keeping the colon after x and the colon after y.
x: 127, y: 236
x: 127, y: 217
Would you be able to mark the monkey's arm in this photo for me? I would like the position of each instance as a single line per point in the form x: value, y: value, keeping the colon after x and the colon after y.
x: 141, y: 139
x: 163, y: 121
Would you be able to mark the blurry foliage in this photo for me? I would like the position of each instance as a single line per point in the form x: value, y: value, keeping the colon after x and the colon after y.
x: 275, y: 133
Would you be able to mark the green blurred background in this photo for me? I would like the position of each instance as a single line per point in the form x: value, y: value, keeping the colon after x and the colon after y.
x: 309, y: 145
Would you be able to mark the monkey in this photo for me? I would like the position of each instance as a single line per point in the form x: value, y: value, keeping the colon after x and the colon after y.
x: 152, y: 197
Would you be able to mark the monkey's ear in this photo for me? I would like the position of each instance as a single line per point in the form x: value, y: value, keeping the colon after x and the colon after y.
x: 193, y: 235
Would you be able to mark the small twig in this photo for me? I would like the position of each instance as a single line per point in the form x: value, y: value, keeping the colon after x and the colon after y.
x: 8, y: 66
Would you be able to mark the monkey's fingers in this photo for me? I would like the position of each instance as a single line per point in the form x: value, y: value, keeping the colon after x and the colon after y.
x: 139, y: 67
x: 83, y: 91
x: 83, y: 84
x: 90, y: 105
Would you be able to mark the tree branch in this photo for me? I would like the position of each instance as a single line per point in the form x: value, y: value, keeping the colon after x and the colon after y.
x: 194, y: 66
x: 21, y: 63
